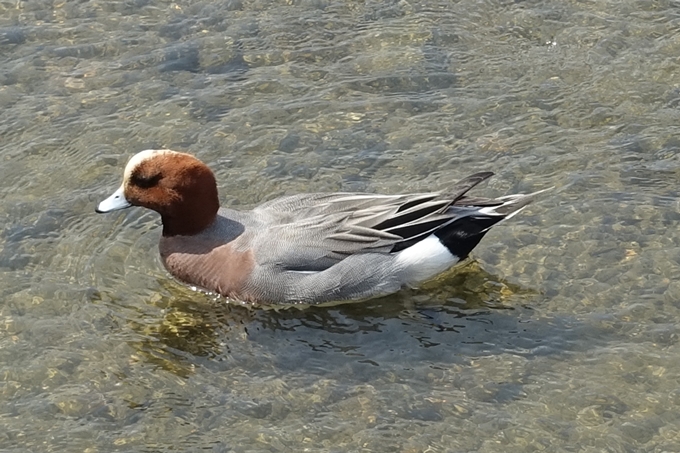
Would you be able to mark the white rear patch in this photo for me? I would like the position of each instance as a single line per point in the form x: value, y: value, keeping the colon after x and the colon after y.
x: 424, y: 260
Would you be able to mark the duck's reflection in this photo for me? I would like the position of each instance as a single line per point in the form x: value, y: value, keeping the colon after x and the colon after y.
x: 461, y: 314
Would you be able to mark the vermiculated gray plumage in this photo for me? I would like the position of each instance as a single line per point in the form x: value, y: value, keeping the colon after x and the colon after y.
x: 307, y: 248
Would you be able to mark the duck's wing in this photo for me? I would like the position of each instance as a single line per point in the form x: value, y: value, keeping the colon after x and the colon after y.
x: 312, y: 232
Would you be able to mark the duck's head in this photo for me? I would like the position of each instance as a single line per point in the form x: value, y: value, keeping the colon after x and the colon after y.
x: 181, y: 188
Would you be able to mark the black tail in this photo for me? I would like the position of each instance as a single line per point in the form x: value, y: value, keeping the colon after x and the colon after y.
x: 465, y: 233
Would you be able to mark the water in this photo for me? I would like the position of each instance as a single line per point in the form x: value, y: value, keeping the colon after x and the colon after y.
x: 561, y: 334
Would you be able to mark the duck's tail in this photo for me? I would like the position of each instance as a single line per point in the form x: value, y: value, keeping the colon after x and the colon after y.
x: 511, y: 205
x: 475, y: 216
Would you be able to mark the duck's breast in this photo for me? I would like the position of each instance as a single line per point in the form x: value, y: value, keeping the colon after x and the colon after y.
x: 221, y: 268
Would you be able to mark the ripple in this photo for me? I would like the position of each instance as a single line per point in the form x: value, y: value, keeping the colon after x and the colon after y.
x: 558, y: 334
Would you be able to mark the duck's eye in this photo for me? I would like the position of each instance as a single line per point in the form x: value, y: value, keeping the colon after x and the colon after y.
x: 144, y: 181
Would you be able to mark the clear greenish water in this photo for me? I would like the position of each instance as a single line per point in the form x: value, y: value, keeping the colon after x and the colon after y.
x: 561, y: 334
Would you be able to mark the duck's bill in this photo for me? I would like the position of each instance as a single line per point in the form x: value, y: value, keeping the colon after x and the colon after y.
x: 114, y: 202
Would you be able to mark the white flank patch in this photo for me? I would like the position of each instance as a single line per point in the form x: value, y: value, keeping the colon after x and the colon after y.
x: 424, y: 260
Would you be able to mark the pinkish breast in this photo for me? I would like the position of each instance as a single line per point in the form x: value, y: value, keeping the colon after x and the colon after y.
x: 221, y: 268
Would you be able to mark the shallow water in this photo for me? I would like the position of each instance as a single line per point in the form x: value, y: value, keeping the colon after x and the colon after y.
x: 561, y: 334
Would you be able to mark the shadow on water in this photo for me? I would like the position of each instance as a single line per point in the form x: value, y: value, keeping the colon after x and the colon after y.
x: 463, y: 315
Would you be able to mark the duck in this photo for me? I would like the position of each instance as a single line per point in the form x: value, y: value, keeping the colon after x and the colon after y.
x: 305, y: 248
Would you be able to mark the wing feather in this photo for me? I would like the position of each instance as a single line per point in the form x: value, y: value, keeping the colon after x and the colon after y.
x: 311, y: 232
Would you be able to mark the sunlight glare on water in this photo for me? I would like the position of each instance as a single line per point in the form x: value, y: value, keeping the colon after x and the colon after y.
x: 560, y: 334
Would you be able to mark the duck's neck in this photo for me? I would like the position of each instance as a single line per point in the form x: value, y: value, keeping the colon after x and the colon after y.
x: 190, y: 218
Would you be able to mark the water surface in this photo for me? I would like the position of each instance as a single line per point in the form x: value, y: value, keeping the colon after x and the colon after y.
x: 560, y: 334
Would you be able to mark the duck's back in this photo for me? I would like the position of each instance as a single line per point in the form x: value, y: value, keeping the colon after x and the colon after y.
x: 324, y: 247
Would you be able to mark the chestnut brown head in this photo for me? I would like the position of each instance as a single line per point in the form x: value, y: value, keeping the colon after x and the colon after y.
x: 181, y: 188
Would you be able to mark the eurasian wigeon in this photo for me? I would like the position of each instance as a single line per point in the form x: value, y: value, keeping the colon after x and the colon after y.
x: 307, y: 248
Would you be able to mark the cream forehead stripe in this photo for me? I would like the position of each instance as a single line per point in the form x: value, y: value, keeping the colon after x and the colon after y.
x: 140, y: 157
